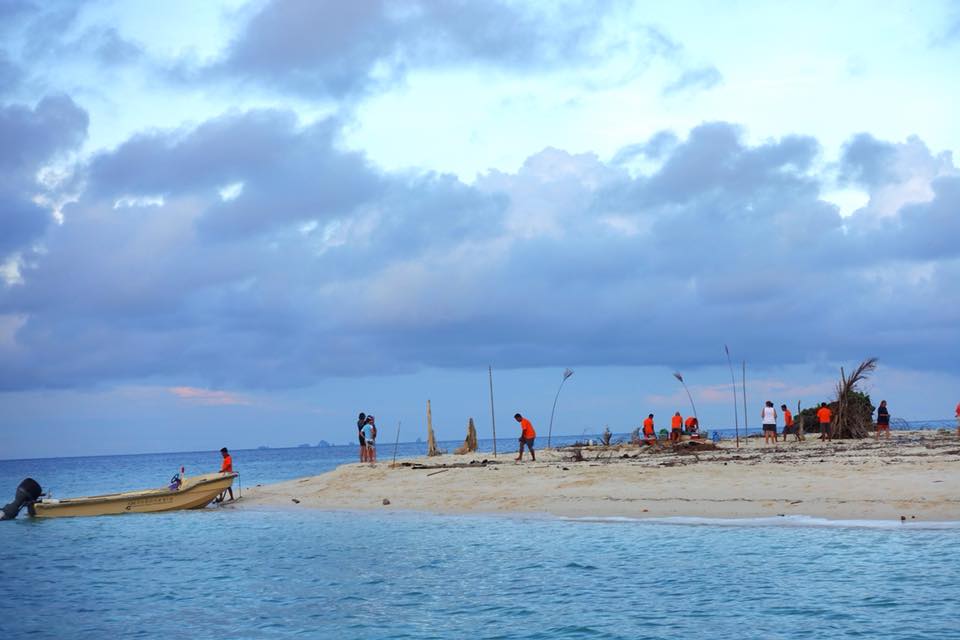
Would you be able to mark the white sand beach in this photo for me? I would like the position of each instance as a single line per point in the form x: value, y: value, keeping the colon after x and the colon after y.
x: 914, y: 475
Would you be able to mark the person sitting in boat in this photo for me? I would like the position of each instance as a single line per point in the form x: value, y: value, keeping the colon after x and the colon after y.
x: 225, y: 467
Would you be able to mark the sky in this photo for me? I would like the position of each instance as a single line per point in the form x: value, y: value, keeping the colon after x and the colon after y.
x: 242, y: 222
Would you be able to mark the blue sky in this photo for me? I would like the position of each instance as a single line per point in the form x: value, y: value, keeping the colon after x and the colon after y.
x: 242, y: 222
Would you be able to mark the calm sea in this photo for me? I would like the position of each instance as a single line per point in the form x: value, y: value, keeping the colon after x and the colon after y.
x: 219, y: 573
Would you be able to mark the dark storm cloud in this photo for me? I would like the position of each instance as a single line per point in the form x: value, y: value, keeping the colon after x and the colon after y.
x: 31, y: 138
x: 342, y: 48
x: 694, y: 80
x: 325, y: 265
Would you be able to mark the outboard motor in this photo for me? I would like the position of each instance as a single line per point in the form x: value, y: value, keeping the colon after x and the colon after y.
x: 28, y: 492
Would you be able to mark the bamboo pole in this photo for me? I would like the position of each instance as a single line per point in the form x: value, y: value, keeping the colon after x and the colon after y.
x: 746, y: 429
x: 395, y: 444
x: 493, y: 416
x: 733, y: 382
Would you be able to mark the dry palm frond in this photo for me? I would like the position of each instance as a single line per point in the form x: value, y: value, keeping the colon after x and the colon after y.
x: 847, y: 424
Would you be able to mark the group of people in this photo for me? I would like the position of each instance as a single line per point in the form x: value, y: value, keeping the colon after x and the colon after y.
x: 367, y: 429
x: 367, y: 434
x: 678, y: 428
x: 768, y: 416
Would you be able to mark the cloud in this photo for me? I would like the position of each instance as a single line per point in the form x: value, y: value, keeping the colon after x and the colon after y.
x: 32, y: 137
x: 694, y: 80
x: 321, y: 264
x: 209, y: 396
x: 893, y: 174
x: 10, y: 74
x: 341, y: 49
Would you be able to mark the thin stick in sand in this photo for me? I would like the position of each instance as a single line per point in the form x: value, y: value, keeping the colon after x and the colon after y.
x: 493, y: 416
x: 733, y: 382
x: 395, y: 444
x: 746, y: 429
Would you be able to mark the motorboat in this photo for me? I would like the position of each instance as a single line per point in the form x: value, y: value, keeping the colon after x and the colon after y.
x: 193, y: 492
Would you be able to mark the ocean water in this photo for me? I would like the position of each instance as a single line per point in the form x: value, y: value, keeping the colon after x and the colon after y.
x: 278, y: 573
x: 220, y: 573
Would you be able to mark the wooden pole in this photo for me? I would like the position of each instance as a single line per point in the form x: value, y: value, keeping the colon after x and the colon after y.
x: 746, y: 429
x: 395, y: 444
x: 733, y: 382
x: 493, y: 417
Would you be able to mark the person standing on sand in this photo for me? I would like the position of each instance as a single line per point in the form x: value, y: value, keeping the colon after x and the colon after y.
x: 823, y: 416
x: 768, y: 416
x: 676, y: 426
x: 957, y: 413
x: 883, y: 420
x: 361, y: 421
x: 226, y: 466
x: 649, y: 433
x: 370, y: 435
x: 527, y: 436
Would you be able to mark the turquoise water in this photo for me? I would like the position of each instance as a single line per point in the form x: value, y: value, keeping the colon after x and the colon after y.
x: 230, y: 573
x: 222, y: 573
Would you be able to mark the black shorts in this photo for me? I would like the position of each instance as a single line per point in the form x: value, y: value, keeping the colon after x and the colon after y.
x: 791, y: 429
x: 527, y: 441
x: 770, y: 427
x: 363, y: 441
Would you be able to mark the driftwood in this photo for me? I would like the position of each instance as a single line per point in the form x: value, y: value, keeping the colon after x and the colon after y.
x: 451, y: 465
x: 432, y: 449
x: 470, y: 443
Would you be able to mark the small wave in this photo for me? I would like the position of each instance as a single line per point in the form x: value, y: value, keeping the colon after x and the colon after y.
x: 780, y: 521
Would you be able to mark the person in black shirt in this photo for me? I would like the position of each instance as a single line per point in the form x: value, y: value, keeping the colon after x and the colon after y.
x: 362, y: 420
x: 883, y: 419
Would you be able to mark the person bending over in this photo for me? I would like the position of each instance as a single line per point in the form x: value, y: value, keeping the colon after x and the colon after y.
x: 649, y: 431
x: 676, y: 426
x: 527, y: 436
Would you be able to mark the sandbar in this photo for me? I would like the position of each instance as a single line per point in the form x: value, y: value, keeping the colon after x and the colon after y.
x: 913, y: 476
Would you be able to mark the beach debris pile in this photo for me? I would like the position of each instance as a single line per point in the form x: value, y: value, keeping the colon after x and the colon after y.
x: 470, y: 443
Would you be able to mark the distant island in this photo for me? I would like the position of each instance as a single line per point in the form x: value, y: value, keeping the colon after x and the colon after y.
x: 303, y: 446
x: 263, y: 446
x: 324, y: 443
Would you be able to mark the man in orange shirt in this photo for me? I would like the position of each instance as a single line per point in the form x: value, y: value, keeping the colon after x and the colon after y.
x: 788, y: 426
x: 226, y: 467
x: 676, y: 425
x: 649, y: 433
x: 823, y: 416
x: 527, y: 435
x: 692, y: 425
